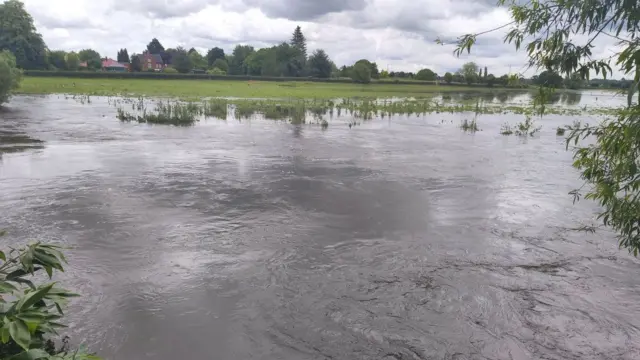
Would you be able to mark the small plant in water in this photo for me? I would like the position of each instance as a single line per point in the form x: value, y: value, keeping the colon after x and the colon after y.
x: 470, y: 126
x: 527, y: 128
x: 506, y: 129
x: 560, y: 131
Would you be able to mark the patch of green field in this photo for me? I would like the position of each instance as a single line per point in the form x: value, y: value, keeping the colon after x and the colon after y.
x: 193, y: 89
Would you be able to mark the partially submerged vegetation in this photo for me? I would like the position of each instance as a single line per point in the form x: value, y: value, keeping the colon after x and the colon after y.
x: 299, y: 111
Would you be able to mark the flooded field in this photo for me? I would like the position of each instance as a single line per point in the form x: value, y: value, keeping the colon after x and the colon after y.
x: 403, y: 237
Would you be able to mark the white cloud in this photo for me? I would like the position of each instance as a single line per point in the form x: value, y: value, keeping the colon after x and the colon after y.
x: 398, y: 34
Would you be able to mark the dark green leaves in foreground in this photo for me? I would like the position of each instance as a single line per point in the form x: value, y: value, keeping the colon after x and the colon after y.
x: 30, y: 313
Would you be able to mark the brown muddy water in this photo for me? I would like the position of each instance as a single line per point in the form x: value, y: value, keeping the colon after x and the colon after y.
x: 402, y: 238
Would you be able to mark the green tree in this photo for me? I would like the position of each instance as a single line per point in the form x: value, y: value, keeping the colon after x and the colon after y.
x: 320, y: 64
x: 470, y: 72
x: 215, y: 54
x: 485, y: 72
x: 426, y: 75
x: 491, y: 80
x: 197, y: 60
x: 361, y: 73
x: 559, y: 37
x: 123, y: 56
x: 574, y: 82
x: 549, y: 78
x: 155, y: 47
x: 373, y: 67
x: 220, y: 64
x: 299, y: 42
x: 181, y: 61
x: 448, y: 77
x: 10, y: 75
x: 384, y: 74
x: 291, y: 61
x: 73, y: 61
x: 18, y: 35
x: 136, y: 63
x: 58, y: 59
x: 240, y: 53
x: 91, y: 57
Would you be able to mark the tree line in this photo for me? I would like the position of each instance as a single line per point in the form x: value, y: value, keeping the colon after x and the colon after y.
x: 287, y: 59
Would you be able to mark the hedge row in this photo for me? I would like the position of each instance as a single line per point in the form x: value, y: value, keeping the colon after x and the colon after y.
x: 169, y: 76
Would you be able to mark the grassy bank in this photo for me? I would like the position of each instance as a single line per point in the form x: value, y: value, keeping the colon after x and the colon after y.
x: 190, y: 89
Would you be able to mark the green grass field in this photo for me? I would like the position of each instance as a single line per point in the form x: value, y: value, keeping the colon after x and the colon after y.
x: 191, y: 89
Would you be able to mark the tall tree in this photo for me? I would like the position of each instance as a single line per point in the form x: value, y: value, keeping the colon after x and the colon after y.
x: 361, y: 73
x: 58, y: 59
x: 18, y: 35
x: 221, y: 64
x: 559, y: 36
x: 155, y: 47
x: 319, y: 64
x: 73, y: 61
x: 213, y: 55
x: 181, y: 61
x: 91, y: 57
x: 10, y: 75
x: 485, y: 72
x: 426, y: 74
x: 136, y: 63
x: 197, y: 60
x: 373, y: 67
x: 470, y: 72
x: 123, y: 56
x: 167, y: 56
x: 299, y: 42
x: 192, y: 50
x: 237, y: 65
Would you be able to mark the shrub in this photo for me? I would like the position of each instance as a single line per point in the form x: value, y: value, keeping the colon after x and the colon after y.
x: 527, y: 128
x: 506, y: 130
x: 216, y: 71
x: 29, y: 312
x: 10, y: 75
x: 170, y: 70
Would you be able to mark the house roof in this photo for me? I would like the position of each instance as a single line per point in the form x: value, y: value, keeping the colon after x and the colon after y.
x: 110, y: 63
x: 156, y: 58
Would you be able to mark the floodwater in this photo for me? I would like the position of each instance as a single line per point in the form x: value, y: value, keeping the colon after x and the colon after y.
x: 402, y: 238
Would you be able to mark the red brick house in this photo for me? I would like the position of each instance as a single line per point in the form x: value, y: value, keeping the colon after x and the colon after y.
x: 151, y: 61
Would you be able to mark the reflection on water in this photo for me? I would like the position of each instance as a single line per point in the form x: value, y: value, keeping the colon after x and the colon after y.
x: 402, y: 238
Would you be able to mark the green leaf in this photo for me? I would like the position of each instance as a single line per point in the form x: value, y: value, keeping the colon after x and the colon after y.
x: 3, y: 256
x: 32, y: 354
x: 4, y: 333
x: 20, y: 333
x: 6, y: 287
x: 33, y: 297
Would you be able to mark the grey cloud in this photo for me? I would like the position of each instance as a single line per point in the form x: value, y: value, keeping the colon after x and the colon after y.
x: 305, y: 9
x: 162, y: 9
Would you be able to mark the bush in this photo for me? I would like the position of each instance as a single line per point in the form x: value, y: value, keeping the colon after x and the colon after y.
x: 170, y: 70
x: 29, y: 313
x: 10, y: 75
x: 216, y: 71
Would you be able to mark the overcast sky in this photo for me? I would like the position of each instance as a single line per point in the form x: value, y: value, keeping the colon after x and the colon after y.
x: 397, y: 34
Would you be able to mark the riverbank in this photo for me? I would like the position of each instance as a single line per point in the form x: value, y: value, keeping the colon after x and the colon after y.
x: 214, y: 88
